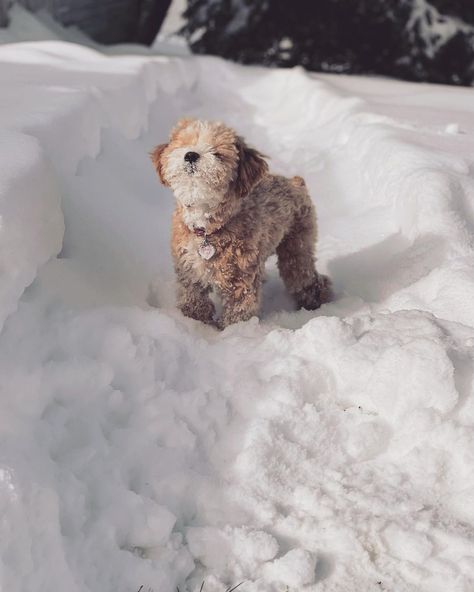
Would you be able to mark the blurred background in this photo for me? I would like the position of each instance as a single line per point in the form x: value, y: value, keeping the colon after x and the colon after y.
x: 420, y: 40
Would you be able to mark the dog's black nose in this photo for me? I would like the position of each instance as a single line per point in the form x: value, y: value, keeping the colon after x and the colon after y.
x: 191, y: 157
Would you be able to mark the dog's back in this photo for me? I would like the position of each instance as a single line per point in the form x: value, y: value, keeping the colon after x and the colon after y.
x: 273, y: 207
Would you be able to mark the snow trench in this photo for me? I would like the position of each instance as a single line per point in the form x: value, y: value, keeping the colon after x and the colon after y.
x: 320, y: 451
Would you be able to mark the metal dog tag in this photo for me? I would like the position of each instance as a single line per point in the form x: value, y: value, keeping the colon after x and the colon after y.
x: 206, y: 250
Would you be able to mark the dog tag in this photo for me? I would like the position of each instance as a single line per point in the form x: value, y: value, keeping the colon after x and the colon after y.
x: 206, y: 250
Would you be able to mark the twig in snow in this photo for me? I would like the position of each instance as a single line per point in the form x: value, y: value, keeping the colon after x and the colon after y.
x: 234, y: 588
x: 202, y: 587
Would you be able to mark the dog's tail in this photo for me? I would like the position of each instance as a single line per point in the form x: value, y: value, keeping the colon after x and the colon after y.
x: 298, y: 182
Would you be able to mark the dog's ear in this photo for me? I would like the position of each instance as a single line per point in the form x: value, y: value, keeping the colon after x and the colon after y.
x: 156, y: 159
x: 252, y: 167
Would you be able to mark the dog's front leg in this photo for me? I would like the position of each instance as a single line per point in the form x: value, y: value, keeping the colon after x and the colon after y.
x: 193, y: 300
x: 239, y: 303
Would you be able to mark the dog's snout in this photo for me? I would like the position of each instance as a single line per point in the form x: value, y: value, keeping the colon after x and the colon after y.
x: 191, y: 157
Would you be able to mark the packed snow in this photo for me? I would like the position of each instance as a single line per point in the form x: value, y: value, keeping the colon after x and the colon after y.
x: 326, y: 451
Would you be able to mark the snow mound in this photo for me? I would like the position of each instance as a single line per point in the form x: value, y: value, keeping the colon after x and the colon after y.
x: 320, y: 451
x: 31, y: 220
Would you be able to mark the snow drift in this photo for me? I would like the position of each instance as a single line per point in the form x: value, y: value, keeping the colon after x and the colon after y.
x: 31, y: 221
x: 326, y: 451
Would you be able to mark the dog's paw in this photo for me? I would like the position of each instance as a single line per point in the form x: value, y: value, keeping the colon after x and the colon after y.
x: 318, y: 292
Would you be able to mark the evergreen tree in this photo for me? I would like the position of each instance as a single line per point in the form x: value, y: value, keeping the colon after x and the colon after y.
x: 411, y: 39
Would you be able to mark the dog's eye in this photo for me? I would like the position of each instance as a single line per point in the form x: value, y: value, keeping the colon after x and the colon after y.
x: 218, y: 155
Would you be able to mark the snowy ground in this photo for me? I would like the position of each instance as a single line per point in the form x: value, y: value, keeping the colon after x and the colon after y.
x: 327, y: 451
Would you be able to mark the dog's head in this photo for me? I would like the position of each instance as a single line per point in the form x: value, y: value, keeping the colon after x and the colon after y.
x: 206, y: 163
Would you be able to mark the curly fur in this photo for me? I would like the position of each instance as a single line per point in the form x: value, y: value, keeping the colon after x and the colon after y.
x: 246, y: 215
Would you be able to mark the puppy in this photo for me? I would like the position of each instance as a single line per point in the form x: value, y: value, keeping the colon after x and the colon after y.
x: 230, y: 216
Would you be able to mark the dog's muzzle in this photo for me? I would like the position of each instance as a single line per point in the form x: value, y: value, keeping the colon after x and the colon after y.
x: 189, y: 168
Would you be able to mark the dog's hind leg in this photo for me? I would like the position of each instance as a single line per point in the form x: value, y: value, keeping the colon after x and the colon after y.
x: 297, y: 264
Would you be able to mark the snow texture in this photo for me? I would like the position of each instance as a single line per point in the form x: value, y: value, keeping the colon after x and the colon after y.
x: 319, y: 451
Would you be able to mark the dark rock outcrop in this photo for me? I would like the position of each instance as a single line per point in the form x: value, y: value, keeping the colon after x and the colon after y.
x: 106, y: 21
x: 4, y: 6
x: 113, y: 21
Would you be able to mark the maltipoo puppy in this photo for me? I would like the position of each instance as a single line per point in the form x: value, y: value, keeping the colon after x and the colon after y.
x: 230, y: 216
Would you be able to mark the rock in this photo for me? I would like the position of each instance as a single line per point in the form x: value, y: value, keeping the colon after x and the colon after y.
x: 107, y: 21
x: 4, y: 6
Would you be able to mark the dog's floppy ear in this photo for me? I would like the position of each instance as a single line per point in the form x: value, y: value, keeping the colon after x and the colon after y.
x: 155, y: 156
x: 252, y: 167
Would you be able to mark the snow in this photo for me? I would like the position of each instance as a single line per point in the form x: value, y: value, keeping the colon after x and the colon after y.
x: 319, y: 451
x: 31, y: 223
x: 168, y: 41
x: 436, y: 29
x: 295, y: 569
x: 174, y: 18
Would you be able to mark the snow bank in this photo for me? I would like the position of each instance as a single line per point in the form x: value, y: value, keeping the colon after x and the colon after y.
x: 31, y: 221
x: 319, y: 451
x: 81, y: 87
